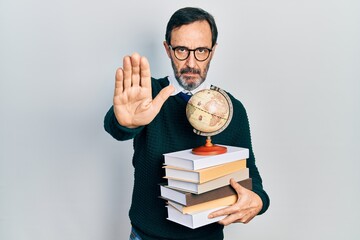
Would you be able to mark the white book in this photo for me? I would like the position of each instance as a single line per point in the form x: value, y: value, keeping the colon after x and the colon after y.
x: 193, y: 220
x: 175, y: 195
x: 196, y: 188
x: 187, y: 160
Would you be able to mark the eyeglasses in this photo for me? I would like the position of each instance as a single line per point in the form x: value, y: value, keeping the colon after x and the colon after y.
x: 200, y: 53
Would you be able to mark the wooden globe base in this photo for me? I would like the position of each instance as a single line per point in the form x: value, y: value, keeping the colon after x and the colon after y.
x: 209, y: 149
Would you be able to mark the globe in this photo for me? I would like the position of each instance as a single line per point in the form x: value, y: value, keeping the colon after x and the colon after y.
x: 209, y: 112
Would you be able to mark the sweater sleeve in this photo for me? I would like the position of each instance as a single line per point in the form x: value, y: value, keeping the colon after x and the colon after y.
x: 257, y: 186
x: 116, y: 130
x: 241, y: 123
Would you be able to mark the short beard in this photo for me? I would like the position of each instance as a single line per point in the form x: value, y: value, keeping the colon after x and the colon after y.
x: 185, y: 82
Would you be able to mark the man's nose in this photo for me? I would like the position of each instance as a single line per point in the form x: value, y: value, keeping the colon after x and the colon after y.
x: 191, y: 60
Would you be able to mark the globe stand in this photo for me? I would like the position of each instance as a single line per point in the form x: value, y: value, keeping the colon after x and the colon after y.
x: 209, y: 149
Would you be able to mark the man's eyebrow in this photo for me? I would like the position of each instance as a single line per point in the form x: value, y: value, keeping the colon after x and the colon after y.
x: 180, y: 46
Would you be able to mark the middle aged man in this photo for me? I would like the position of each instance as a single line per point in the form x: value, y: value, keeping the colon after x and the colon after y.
x: 152, y: 112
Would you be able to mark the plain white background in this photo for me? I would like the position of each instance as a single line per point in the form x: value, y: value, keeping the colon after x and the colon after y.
x: 294, y: 64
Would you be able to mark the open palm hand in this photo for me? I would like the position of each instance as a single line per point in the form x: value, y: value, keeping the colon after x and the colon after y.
x: 133, y: 102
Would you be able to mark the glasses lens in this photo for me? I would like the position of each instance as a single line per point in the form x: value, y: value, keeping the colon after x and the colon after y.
x: 201, y: 54
x: 181, y: 53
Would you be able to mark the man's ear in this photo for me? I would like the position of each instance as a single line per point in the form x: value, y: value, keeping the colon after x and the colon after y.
x: 167, y: 49
x: 213, y: 51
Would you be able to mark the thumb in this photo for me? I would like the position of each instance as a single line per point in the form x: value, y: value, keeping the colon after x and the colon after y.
x: 237, y: 187
x: 163, y: 95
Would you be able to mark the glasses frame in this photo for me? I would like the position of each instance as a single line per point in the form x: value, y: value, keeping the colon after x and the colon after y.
x: 189, y: 51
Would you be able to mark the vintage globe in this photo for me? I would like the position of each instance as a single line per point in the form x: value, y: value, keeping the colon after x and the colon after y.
x: 209, y: 111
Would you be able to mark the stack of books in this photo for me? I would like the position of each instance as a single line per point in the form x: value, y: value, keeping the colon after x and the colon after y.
x: 198, y: 185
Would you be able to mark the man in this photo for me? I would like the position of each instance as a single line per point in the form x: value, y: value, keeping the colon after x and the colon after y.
x: 151, y: 112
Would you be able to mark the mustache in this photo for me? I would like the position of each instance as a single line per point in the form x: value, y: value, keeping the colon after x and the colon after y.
x: 189, y: 70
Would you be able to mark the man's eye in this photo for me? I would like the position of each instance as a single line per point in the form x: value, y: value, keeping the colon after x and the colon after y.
x: 182, y: 50
x: 202, y: 50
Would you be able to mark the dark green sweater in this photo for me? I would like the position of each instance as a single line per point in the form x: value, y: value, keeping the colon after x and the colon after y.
x: 170, y: 131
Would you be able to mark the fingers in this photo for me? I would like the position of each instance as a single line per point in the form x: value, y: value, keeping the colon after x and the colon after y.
x: 233, y: 214
x: 145, y: 73
x: 236, y: 218
x: 244, y: 210
x: 119, y: 77
x: 127, y: 70
x: 132, y: 70
x: 236, y: 212
x: 231, y: 219
x: 135, y: 70
x: 225, y: 211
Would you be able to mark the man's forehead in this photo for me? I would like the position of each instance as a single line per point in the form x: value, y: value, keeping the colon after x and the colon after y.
x: 196, y: 33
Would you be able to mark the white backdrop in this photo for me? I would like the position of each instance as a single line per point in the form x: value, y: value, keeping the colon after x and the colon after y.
x: 294, y: 65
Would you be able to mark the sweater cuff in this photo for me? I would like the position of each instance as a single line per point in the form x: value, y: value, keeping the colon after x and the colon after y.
x: 265, y: 200
x: 118, y: 131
